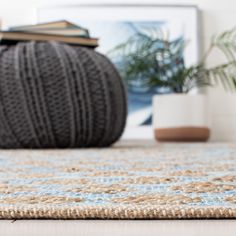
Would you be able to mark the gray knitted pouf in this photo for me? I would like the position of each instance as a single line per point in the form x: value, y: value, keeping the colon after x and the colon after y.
x: 57, y: 96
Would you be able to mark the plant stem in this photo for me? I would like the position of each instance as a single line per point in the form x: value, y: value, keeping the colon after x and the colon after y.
x: 205, y: 56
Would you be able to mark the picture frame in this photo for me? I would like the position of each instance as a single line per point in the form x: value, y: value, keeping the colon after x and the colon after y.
x: 179, y: 19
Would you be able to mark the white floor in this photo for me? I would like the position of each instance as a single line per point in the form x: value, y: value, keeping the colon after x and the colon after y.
x: 118, y: 228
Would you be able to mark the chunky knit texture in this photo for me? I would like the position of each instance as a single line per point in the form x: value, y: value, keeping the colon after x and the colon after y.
x: 56, y: 95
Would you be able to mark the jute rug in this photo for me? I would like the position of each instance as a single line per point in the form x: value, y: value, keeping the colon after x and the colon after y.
x: 174, y: 181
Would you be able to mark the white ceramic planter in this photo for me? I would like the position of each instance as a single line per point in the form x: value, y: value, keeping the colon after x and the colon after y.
x: 181, y: 117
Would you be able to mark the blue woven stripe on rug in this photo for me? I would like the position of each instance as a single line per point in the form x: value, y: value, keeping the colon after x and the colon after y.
x: 124, y: 182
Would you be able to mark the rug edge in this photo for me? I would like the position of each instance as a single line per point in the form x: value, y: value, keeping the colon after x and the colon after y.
x: 121, y: 212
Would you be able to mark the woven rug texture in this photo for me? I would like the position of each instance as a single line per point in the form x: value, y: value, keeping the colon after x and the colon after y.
x: 162, y: 181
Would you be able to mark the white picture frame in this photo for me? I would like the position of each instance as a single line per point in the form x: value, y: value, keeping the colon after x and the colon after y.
x: 186, y: 16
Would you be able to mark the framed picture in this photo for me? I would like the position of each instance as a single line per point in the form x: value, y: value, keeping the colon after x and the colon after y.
x: 115, y: 25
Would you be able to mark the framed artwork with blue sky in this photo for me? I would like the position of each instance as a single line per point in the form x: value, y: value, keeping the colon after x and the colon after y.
x: 115, y: 25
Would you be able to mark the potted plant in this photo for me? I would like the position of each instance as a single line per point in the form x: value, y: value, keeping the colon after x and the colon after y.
x: 151, y: 60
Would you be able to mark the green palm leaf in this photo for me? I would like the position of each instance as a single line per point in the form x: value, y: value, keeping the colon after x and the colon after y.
x: 149, y: 59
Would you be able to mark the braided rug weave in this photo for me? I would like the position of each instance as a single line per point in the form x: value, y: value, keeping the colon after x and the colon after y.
x: 123, y: 182
x: 56, y: 95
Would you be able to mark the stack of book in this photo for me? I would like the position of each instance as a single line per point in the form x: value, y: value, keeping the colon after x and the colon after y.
x: 61, y: 31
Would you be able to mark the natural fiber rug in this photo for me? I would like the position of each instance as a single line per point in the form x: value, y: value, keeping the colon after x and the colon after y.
x: 124, y: 182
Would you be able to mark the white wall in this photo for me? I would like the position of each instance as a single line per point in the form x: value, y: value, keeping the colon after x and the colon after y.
x: 217, y: 15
